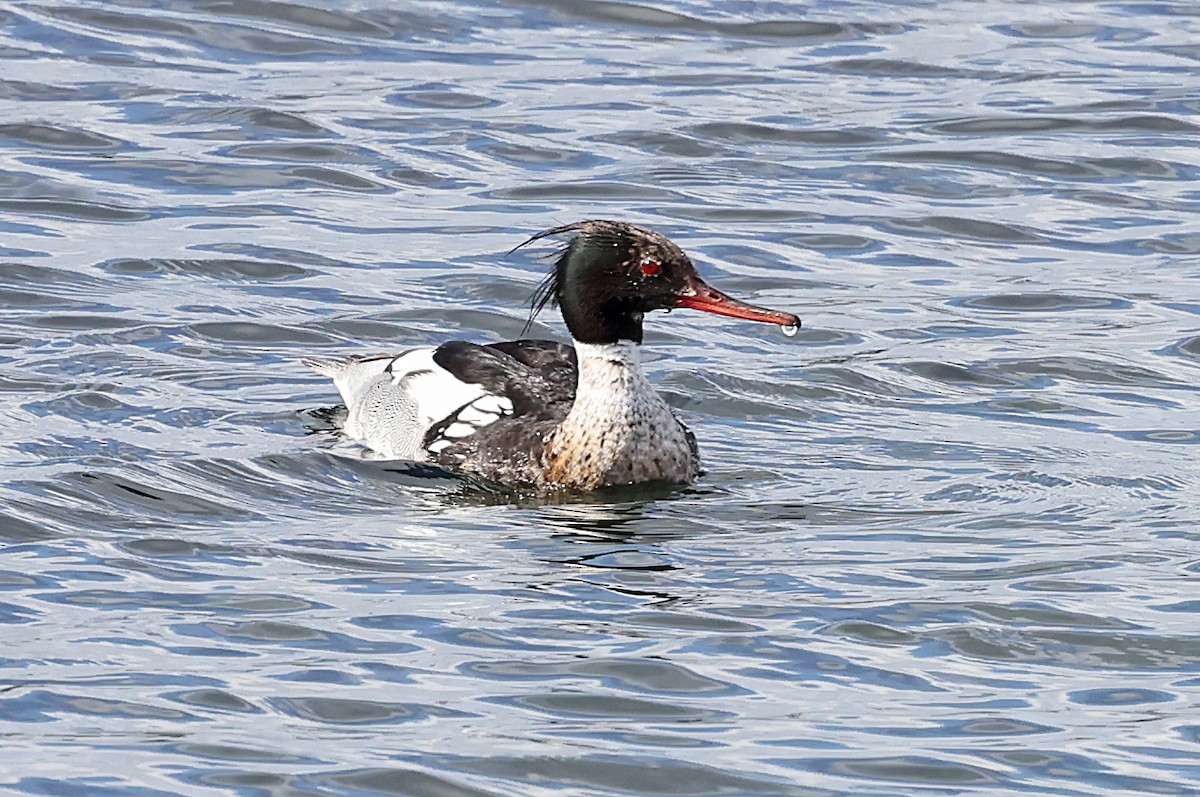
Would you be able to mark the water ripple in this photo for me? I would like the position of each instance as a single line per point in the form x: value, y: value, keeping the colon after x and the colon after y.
x: 946, y: 537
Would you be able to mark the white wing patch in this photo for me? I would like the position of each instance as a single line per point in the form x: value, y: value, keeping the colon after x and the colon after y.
x: 436, y: 392
x: 393, y: 402
x: 485, y: 410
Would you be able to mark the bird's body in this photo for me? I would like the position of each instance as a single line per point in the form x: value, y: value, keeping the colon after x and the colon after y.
x: 539, y: 414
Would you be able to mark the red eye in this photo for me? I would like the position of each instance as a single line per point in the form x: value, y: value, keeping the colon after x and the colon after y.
x: 651, y: 267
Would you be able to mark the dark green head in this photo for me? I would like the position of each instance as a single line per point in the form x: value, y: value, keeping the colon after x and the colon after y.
x: 612, y: 273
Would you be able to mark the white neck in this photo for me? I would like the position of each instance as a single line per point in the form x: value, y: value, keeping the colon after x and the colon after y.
x: 623, y: 352
x: 611, y: 382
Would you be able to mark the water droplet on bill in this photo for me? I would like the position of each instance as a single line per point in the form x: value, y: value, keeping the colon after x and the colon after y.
x: 790, y: 330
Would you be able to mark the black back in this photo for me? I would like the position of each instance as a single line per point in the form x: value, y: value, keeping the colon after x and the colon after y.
x: 537, y: 376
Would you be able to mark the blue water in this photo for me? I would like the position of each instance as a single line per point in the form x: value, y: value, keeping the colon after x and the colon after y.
x: 947, y: 543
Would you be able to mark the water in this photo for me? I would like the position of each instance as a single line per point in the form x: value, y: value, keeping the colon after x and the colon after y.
x: 947, y: 541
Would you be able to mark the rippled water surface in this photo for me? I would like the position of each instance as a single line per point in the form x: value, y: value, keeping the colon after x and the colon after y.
x: 948, y: 541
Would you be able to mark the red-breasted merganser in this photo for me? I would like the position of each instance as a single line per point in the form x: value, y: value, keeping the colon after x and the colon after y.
x: 538, y: 414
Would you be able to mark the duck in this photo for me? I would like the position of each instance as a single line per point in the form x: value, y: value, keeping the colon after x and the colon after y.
x: 543, y: 415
